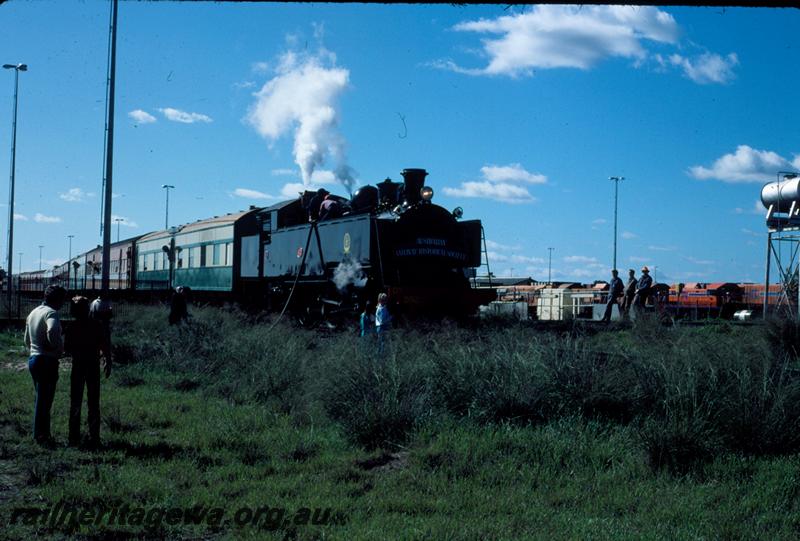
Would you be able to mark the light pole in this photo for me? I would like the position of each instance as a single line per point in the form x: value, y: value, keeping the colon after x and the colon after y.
x: 69, y: 261
x: 549, y: 265
x: 17, y: 68
x: 166, y: 218
x: 616, y: 192
x: 40, y: 256
x: 118, y: 220
x: 20, y: 263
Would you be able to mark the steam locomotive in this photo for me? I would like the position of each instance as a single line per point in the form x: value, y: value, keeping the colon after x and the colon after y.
x: 321, y: 251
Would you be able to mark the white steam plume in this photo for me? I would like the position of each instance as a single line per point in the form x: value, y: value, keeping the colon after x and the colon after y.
x: 303, y: 96
x: 349, y: 272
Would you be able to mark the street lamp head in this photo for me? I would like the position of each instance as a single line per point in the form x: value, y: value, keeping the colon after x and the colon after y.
x: 167, y: 186
x: 18, y: 67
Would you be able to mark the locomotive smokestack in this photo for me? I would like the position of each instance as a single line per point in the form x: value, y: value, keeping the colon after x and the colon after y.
x: 413, y: 180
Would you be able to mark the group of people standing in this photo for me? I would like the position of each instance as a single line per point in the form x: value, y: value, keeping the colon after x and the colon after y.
x: 377, y: 323
x: 86, y: 339
x: 633, y: 294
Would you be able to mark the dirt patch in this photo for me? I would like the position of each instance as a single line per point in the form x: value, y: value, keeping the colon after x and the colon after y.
x: 385, y: 462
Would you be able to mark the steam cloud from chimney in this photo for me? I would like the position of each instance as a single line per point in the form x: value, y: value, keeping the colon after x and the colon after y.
x: 303, y: 96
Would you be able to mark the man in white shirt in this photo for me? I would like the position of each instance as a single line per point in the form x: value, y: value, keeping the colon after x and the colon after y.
x: 43, y: 339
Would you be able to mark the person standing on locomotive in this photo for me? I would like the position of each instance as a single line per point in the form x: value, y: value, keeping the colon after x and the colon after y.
x: 615, y: 290
x: 643, y: 289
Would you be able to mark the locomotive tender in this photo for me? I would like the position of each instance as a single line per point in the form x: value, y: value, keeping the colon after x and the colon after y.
x: 385, y: 238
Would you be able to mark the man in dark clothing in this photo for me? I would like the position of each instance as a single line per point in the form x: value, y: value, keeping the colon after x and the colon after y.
x: 85, y: 341
x: 178, y: 310
x: 615, y: 289
x: 43, y: 340
x: 642, y: 290
x: 630, y: 291
x: 315, y: 203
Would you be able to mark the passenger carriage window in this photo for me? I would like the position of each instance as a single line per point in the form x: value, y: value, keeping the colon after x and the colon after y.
x: 229, y: 254
x: 217, y: 253
x: 191, y: 258
x: 204, y: 256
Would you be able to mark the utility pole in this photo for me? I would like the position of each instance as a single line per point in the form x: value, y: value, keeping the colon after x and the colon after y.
x: 69, y: 261
x: 166, y: 217
x: 616, y: 193
x: 108, y: 179
x: 550, y: 266
x: 17, y: 68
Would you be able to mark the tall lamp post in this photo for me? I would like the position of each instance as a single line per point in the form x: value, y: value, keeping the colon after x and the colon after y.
x: 69, y: 261
x: 17, y: 68
x: 166, y: 217
x: 616, y: 193
x: 550, y: 265
x: 40, y: 256
x: 118, y: 220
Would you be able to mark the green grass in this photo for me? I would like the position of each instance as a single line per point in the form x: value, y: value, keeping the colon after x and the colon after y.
x: 489, y: 433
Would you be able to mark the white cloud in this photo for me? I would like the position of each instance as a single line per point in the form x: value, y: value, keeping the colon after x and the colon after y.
x: 127, y: 222
x: 492, y: 245
x: 20, y: 217
x: 707, y: 67
x: 259, y: 67
x: 757, y: 208
x: 697, y: 261
x: 252, y: 194
x: 746, y: 165
x: 283, y: 172
x: 511, y: 173
x: 600, y: 221
x: 302, y: 98
x: 497, y: 184
x: 662, y: 248
x: 580, y: 259
x: 142, y: 117
x: 176, y: 115
x: 321, y: 176
x: 42, y: 219
x: 637, y: 259
x: 494, y: 256
x: 552, y: 36
x: 506, y: 193
x: 526, y: 259
x: 629, y: 235
x: 75, y: 195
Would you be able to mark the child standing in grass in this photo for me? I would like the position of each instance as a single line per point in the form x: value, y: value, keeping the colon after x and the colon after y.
x: 383, y: 320
x: 367, y: 320
x: 85, y: 340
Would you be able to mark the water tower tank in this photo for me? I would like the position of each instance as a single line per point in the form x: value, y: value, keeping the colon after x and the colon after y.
x: 781, y: 195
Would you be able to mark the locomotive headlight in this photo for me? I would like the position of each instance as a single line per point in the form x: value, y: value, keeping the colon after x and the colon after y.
x: 458, y: 212
x: 426, y: 193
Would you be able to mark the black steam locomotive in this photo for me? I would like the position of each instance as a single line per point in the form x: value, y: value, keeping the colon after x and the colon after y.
x: 319, y: 251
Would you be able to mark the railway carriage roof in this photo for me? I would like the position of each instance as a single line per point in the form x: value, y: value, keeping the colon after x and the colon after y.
x: 216, y: 221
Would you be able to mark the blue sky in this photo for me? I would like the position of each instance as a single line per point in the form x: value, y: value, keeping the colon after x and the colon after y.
x: 520, y: 115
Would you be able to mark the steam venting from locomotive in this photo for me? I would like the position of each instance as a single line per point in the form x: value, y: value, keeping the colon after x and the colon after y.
x: 349, y: 272
x: 303, y: 97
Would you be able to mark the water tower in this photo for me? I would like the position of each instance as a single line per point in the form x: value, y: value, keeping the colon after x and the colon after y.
x: 782, y: 201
